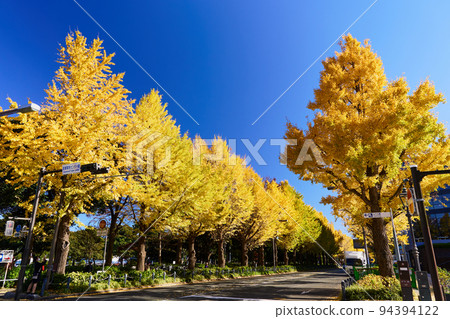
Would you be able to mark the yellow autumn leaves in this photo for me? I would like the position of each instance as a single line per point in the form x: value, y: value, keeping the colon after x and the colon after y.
x: 175, y: 183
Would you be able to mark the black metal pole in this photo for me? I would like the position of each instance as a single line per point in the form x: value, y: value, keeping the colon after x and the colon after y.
x: 26, y: 251
x: 429, y: 251
x: 415, y: 251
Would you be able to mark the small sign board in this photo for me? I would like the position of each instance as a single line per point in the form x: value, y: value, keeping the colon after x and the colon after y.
x: 6, y: 256
x: 9, y: 230
x: 73, y: 168
x: 405, y: 280
x: 377, y: 215
x: 358, y: 243
x: 102, y: 232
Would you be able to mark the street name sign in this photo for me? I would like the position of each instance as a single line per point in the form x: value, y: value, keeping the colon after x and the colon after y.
x: 6, y: 256
x: 73, y: 168
x: 377, y: 215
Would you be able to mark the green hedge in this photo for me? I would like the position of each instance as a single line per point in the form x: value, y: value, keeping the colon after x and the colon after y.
x: 444, y: 278
x: 375, y: 286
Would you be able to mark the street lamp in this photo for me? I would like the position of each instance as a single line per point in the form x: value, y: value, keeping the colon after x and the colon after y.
x: 415, y: 251
x: 31, y: 107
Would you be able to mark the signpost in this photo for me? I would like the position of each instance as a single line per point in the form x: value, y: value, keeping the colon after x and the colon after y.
x: 6, y: 256
x: 73, y: 168
x: 9, y: 231
x: 103, y: 231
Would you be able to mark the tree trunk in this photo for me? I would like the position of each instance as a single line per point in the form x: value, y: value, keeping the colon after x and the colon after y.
x: 244, y: 253
x: 286, y: 257
x: 261, y: 255
x: 221, y: 253
x: 381, y: 247
x: 141, y: 254
x: 275, y: 253
x: 160, y: 248
x: 191, y: 250
x: 179, y: 252
x: 62, y: 245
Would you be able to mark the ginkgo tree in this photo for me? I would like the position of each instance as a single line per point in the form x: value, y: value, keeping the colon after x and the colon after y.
x: 365, y: 128
x: 159, y: 162
x: 83, y: 120
x: 233, y: 205
x: 301, y: 225
x: 196, y: 214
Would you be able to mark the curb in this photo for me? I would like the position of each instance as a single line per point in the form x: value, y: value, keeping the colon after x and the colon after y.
x: 117, y: 290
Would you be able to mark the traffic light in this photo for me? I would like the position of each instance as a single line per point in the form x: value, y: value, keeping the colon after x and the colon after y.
x: 94, y: 168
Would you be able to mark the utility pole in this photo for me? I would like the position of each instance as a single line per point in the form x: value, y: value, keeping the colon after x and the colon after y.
x: 397, y: 250
x: 417, y: 177
x: 26, y: 251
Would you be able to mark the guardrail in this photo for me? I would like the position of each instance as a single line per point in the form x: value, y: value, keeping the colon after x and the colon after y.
x: 344, y: 284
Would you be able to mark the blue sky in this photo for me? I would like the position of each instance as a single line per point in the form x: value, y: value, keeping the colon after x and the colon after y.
x: 225, y: 62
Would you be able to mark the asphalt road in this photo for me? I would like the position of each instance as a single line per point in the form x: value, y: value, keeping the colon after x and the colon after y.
x: 316, y: 285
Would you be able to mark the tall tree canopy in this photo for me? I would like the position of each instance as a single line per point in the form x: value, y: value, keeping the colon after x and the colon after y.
x: 365, y: 128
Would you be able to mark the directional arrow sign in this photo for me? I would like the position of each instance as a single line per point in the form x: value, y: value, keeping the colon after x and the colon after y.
x: 377, y: 215
x: 6, y: 256
x: 73, y: 168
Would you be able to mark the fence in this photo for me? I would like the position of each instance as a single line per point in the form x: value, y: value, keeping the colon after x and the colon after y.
x: 359, y: 272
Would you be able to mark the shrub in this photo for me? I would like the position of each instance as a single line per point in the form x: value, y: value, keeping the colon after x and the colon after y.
x: 375, y: 286
x: 444, y: 278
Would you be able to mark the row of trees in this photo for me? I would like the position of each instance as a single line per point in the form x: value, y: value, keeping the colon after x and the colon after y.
x: 159, y: 178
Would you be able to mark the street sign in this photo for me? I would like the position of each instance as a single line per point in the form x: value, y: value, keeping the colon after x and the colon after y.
x: 358, y: 243
x: 18, y: 228
x: 73, y: 168
x: 102, y: 232
x: 24, y: 231
x: 9, y: 231
x: 377, y: 215
x: 6, y: 256
x: 102, y: 224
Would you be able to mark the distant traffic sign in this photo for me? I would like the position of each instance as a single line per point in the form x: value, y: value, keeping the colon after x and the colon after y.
x: 102, y: 224
x: 102, y: 232
x: 6, y: 256
x: 377, y: 215
x: 9, y: 231
x: 73, y: 168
